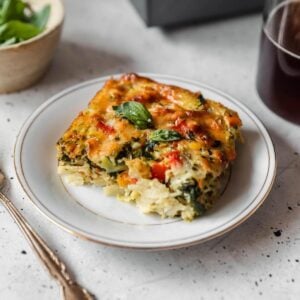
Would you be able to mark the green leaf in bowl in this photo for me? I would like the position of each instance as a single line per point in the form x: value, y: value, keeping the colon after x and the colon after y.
x: 40, y: 19
x: 8, y: 42
x: 19, y: 30
x: 19, y: 22
x: 12, y: 10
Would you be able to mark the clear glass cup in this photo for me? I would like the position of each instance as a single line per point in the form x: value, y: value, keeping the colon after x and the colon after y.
x: 278, y: 74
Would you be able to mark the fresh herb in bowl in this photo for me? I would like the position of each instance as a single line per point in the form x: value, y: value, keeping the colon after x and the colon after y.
x: 19, y: 22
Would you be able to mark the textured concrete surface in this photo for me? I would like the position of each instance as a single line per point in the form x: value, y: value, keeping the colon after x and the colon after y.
x: 257, y: 260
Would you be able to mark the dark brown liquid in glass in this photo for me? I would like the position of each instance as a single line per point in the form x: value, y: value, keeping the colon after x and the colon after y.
x: 278, y: 78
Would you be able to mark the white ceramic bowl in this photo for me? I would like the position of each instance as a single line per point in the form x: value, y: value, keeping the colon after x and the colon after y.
x: 22, y: 64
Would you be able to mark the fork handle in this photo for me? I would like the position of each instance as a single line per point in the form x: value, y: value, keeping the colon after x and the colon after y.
x: 56, y: 268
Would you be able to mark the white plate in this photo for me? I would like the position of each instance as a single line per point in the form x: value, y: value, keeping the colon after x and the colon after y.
x: 87, y: 212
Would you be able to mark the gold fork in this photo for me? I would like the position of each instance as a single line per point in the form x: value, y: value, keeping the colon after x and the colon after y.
x: 57, y: 269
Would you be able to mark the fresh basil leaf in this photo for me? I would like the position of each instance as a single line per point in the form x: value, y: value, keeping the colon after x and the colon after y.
x: 12, y: 10
x: 18, y: 22
x: 40, y: 19
x: 164, y: 135
x: 17, y: 29
x: 136, y: 113
x: 8, y: 42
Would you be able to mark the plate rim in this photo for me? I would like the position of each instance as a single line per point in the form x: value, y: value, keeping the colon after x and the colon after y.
x: 129, y: 245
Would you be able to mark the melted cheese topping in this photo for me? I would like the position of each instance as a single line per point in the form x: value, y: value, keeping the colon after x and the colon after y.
x: 99, y: 137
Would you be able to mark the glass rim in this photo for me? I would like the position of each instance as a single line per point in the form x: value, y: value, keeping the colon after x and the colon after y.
x: 276, y: 44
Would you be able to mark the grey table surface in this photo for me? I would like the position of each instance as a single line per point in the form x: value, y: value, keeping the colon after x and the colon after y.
x: 106, y: 37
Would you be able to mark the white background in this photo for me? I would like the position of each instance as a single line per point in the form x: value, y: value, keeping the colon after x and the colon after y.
x: 106, y: 37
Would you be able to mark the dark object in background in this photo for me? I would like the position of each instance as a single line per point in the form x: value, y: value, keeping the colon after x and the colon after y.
x: 173, y: 12
x: 278, y: 73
